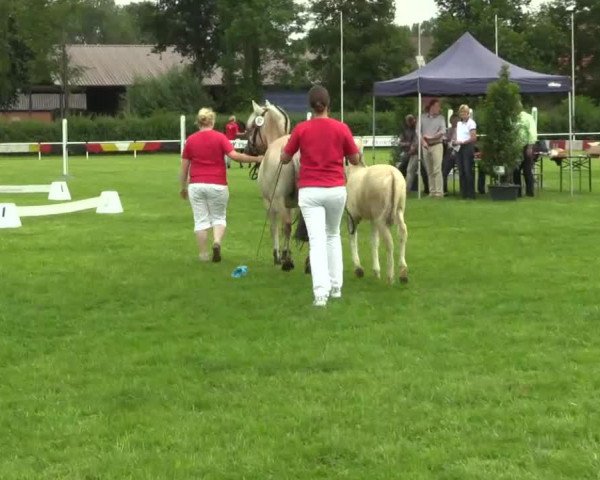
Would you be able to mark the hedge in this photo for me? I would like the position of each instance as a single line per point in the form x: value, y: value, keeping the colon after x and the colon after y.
x: 157, y: 127
x: 165, y: 126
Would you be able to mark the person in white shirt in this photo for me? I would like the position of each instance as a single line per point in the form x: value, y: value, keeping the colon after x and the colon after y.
x: 466, y: 136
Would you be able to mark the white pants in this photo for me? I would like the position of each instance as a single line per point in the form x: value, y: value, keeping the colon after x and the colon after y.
x: 209, y: 204
x: 322, y: 209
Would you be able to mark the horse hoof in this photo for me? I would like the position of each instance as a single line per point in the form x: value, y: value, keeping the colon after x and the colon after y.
x: 287, y: 265
x: 403, y: 279
x: 377, y: 274
x: 276, y: 262
x: 359, y: 272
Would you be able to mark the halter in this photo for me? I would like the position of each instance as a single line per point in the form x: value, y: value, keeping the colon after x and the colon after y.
x: 257, y: 127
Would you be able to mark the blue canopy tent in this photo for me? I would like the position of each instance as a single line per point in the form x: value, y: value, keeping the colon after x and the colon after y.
x: 466, y: 68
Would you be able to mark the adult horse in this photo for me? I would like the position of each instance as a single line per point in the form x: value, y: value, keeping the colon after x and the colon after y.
x: 267, y: 128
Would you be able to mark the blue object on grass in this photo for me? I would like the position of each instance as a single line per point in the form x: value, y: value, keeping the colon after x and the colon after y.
x: 240, y: 271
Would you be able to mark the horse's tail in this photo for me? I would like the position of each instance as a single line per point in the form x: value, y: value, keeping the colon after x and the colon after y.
x: 301, y: 233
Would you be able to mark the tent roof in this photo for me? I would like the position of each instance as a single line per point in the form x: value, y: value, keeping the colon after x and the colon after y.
x: 466, y: 68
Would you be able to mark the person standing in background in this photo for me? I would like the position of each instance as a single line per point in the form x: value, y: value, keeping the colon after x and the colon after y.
x: 528, y: 138
x: 232, y: 131
x: 449, y: 161
x: 466, y: 136
x: 409, y: 144
x: 433, y: 130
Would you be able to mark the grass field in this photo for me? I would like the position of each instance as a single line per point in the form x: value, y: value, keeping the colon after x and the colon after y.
x: 123, y: 357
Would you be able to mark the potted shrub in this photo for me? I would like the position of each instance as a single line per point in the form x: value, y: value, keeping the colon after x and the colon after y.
x: 501, y: 146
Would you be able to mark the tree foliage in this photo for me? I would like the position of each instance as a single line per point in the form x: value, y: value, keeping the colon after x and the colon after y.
x: 178, y: 91
x: 374, y: 48
x: 500, y: 111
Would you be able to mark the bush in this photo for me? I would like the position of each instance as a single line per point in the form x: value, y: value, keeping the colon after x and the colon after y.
x: 174, y: 91
x: 161, y: 126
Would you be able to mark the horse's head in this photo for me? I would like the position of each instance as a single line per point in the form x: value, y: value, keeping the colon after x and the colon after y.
x: 361, y: 161
x: 266, y: 124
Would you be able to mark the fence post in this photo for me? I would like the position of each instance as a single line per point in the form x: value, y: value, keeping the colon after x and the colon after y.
x: 182, y: 133
x: 65, y: 139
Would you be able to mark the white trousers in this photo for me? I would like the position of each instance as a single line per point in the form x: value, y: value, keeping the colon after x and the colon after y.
x: 322, y: 209
x: 209, y: 204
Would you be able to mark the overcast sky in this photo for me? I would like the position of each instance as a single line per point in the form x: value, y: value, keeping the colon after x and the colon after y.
x: 407, y: 11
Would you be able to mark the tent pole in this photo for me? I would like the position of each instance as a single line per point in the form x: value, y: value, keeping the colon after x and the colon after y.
x: 571, y: 140
x: 373, y: 145
x: 420, y: 150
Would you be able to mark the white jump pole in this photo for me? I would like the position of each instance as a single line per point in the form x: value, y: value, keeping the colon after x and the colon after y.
x: 65, y: 139
x: 182, y: 132
x: 373, y: 144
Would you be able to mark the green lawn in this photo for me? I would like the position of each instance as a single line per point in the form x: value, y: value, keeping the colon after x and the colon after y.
x: 123, y: 357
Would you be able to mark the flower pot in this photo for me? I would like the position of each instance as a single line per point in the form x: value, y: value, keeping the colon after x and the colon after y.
x: 504, y: 192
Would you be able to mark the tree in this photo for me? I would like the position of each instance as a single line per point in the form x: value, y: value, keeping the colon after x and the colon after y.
x: 555, y: 49
x: 374, y: 48
x: 251, y: 47
x: 175, y: 91
x: 15, y: 56
x: 24, y: 46
x: 426, y: 27
x: 192, y: 28
x: 500, y: 111
x: 477, y: 17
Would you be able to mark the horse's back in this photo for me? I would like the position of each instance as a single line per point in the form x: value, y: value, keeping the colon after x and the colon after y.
x: 372, y: 189
x: 269, y: 173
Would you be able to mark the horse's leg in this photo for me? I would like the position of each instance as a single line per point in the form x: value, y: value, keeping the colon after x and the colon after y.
x: 403, y: 237
x: 274, y: 235
x: 307, y: 269
x: 286, y: 258
x: 375, y: 248
x: 358, y: 270
x: 389, y: 249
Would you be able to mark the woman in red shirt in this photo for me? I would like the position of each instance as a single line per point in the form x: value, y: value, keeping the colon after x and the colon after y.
x: 204, y: 181
x: 323, y: 143
x: 232, y: 131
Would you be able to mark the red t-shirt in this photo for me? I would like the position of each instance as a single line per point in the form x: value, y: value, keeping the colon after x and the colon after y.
x: 323, y: 144
x: 231, y: 130
x: 206, y: 150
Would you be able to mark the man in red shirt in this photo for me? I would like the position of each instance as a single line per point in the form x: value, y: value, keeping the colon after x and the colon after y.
x: 323, y: 143
x: 232, y: 131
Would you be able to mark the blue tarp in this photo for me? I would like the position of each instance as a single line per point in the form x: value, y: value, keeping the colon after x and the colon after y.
x: 466, y: 68
x: 289, y: 100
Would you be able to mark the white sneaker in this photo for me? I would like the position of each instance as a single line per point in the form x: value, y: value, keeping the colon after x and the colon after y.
x: 320, y: 301
x: 336, y: 292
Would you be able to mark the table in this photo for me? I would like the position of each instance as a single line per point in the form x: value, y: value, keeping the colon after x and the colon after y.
x: 580, y: 163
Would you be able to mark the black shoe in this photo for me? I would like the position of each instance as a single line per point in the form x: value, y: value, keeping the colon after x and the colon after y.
x: 216, y: 258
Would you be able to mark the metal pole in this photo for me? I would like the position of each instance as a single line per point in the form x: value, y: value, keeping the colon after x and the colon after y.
x: 373, y: 145
x: 420, y: 149
x: 571, y: 141
x: 342, y: 65
x: 496, y: 29
x: 573, y: 59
